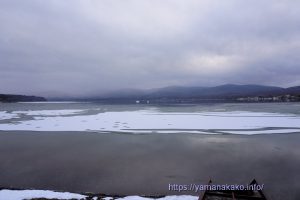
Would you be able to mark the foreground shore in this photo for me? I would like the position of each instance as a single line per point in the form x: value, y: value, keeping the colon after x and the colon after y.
x: 145, y: 164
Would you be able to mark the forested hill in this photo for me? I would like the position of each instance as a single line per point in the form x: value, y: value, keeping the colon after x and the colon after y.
x: 20, y: 98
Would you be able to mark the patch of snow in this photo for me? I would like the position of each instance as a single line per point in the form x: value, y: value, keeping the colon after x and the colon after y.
x: 107, y: 198
x: 180, y: 197
x: 29, y: 194
x: 133, y: 198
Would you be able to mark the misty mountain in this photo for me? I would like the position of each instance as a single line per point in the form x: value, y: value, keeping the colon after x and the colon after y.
x: 293, y: 90
x: 218, y: 92
x: 125, y: 93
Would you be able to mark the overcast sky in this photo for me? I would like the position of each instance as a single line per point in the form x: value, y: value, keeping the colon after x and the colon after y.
x: 85, y: 47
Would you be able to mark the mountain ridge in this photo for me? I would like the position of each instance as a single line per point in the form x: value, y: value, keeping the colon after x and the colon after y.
x: 20, y: 98
x: 221, y: 91
x: 175, y: 94
x: 226, y: 92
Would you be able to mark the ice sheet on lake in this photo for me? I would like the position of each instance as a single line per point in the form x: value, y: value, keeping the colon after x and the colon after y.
x: 48, y: 112
x: 154, y: 121
x: 51, y: 102
x: 6, y: 115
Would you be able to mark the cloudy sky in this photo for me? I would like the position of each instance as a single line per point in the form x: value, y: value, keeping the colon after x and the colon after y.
x: 87, y: 47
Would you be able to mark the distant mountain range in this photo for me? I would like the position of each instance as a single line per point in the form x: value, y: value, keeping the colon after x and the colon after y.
x: 181, y: 94
x: 222, y: 92
x: 19, y: 98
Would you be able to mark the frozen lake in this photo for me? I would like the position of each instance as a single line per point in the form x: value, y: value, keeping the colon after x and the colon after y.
x: 204, y: 118
x: 92, y: 147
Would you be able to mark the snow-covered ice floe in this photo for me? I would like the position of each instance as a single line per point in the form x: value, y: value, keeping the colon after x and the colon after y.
x: 30, y: 194
x: 48, y: 112
x: 6, y: 115
x: 155, y: 121
x: 180, y: 197
x: 51, y: 102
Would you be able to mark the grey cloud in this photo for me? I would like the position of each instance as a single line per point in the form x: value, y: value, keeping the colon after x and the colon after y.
x: 86, y: 47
